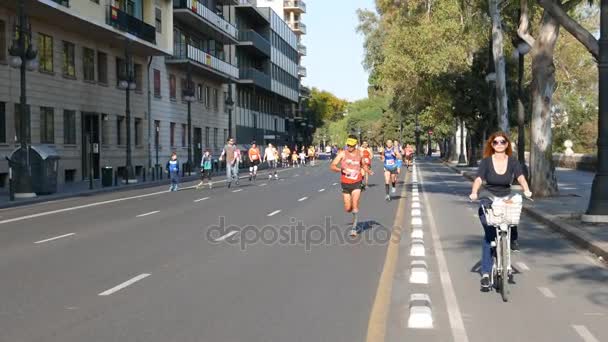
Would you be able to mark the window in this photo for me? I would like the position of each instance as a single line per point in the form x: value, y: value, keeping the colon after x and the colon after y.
x: 47, y: 126
x: 207, y: 93
x: 105, y: 129
x: 138, y: 76
x: 172, y: 134
x: 207, y: 137
x: 156, y: 133
x: 2, y: 41
x: 184, y: 130
x: 138, y: 131
x: 158, y: 14
x: 102, y: 68
x: 18, y: 121
x: 69, y: 127
x: 225, y: 134
x: 216, y: 99
x: 156, y: 83
x: 225, y: 99
x: 119, y: 122
x: 199, y: 92
x: 172, y: 87
x: 69, y: 65
x: 184, y: 86
x: 88, y: 64
x: 215, y: 137
x: 45, y: 52
x: 121, y: 70
x: 2, y: 122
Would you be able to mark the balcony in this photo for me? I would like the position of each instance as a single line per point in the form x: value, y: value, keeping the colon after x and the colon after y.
x: 253, y: 40
x: 301, y: 71
x: 65, y: 3
x: 125, y: 22
x: 194, y: 13
x: 298, y: 27
x: 250, y: 10
x: 256, y: 77
x: 298, y: 6
x: 204, y: 60
x: 302, y: 49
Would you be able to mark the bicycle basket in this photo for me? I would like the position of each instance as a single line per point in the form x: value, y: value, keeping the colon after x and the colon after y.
x: 503, y: 213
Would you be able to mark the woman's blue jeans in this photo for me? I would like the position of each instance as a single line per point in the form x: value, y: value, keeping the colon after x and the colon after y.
x: 489, y: 236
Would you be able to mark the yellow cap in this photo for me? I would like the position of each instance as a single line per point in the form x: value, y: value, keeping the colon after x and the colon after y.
x: 351, y: 142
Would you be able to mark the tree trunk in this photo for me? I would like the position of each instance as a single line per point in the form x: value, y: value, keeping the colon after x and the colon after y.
x: 502, y: 109
x: 542, y: 169
x: 453, y: 150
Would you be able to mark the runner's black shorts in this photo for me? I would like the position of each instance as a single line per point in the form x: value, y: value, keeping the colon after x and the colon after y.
x: 255, y: 162
x: 348, y: 188
x: 393, y: 172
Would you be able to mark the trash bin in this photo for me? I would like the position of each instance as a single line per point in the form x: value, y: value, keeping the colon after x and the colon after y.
x: 44, y: 163
x: 107, y: 173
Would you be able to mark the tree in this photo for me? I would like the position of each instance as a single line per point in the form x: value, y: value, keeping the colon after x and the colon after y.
x: 499, y: 65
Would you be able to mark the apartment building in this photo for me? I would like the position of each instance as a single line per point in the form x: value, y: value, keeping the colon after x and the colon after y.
x: 189, y: 57
x: 267, y: 91
x: 75, y: 91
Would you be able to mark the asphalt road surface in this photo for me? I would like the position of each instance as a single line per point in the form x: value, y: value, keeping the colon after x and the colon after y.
x: 272, y: 261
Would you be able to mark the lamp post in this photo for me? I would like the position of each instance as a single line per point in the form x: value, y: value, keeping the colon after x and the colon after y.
x: 461, y: 158
x: 127, y: 83
x: 229, y: 106
x: 188, y: 95
x: 598, y: 201
x: 23, y: 56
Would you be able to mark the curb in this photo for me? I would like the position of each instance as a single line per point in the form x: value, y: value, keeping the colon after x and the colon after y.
x: 579, y: 237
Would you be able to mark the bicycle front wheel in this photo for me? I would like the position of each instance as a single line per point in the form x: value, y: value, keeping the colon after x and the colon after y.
x: 504, y: 273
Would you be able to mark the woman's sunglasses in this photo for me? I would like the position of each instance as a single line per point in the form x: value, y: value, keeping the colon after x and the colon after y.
x: 499, y: 142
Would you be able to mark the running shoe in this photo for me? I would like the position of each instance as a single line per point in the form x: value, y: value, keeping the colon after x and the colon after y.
x: 276, y: 177
x: 485, y: 282
x: 229, y: 185
x: 393, y: 190
x: 353, y: 233
x: 388, y: 198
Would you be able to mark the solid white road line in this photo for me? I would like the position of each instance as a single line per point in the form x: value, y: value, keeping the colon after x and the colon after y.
x: 302, y: 199
x: 263, y: 184
x: 125, y: 284
x: 55, y: 238
x: 584, y: 333
x: 274, y: 213
x: 201, y: 199
x: 321, y: 190
x: 224, y: 237
x: 456, y: 323
x: 522, y: 267
x: 546, y: 292
x: 237, y: 190
x: 150, y: 213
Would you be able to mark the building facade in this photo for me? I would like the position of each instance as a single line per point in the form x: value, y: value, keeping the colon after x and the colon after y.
x: 188, y: 58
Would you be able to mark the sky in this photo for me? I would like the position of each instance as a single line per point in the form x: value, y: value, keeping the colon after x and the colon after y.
x: 335, y: 49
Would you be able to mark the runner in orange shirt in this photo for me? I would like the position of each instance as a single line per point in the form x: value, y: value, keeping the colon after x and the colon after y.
x: 254, y: 158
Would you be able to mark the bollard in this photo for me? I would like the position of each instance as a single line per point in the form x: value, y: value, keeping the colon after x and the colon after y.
x: 143, y: 170
x: 11, y: 190
x: 116, y: 177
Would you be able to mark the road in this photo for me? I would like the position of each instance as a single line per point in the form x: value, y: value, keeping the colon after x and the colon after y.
x: 272, y: 261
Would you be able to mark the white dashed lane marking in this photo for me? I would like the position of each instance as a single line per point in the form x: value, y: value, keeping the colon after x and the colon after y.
x: 224, y: 237
x: 148, y: 214
x: 302, y: 199
x: 201, y: 199
x: 546, y: 292
x: 321, y: 190
x: 522, y: 267
x: 55, y: 238
x: 584, y: 333
x: 274, y: 213
x: 237, y: 190
x: 125, y: 284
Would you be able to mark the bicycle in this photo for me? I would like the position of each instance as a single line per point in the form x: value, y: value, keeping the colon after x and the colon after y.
x: 503, y: 214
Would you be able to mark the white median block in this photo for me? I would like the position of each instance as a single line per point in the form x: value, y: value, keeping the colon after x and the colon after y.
x: 416, y: 221
x: 419, y: 273
x: 416, y: 205
x: 421, y: 315
x: 416, y: 212
x: 417, y: 250
x: 417, y: 234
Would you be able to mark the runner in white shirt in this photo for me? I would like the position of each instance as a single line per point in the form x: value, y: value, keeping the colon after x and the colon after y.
x: 270, y: 157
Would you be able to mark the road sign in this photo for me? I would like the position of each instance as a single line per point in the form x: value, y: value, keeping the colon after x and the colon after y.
x: 430, y: 132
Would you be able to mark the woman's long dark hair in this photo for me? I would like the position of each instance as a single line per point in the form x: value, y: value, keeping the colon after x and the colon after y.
x: 488, y: 150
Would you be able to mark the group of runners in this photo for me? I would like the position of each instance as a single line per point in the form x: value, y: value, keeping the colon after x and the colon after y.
x: 354, y: 163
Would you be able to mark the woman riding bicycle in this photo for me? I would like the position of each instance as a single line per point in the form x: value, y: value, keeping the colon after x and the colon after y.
x: 498, y: 169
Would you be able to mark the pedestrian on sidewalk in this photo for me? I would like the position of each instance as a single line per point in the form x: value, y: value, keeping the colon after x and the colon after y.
x: 206, y: 165
x: 172, y: 168
x: 498, y: 168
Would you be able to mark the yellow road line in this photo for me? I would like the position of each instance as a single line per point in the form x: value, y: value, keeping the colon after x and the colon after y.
x: 376, y: 327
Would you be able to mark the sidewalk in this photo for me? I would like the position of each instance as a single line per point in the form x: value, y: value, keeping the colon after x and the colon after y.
x: 562, y: 213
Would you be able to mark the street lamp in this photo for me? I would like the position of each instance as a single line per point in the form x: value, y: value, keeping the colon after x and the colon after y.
x: 127, y: 83
x: 23, y: 56
x: 188, y: 95
x: 461, y: 158
x: 598, y: 202
x: 229, y: 106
